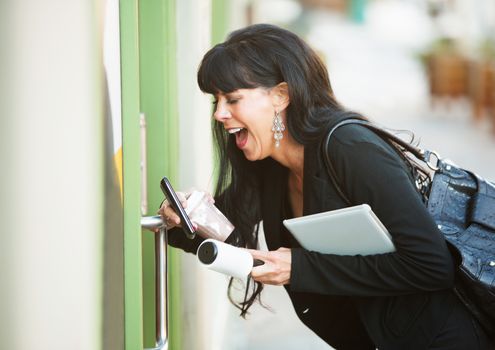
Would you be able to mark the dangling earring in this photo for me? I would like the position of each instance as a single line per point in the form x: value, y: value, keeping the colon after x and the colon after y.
x: 277, y: 128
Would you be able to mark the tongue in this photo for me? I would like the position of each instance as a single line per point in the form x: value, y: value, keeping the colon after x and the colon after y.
x: 241, y: 138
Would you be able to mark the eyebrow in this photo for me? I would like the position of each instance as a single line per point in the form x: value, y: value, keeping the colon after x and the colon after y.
x: 233, y: 93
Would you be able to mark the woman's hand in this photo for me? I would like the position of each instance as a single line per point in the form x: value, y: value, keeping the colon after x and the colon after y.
x: 276, y: 269
x: 170, y: 217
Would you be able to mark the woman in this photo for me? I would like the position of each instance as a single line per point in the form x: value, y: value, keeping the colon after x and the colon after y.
x: 274, y: 107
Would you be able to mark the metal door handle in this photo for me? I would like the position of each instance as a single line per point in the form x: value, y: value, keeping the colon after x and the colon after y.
x: 161, y: 301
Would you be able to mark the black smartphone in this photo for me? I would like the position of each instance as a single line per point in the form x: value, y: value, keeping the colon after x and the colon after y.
x: 174, y: 201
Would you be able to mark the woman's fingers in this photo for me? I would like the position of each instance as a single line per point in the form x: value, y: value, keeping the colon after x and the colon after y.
x: 276, y: 269
x: 259, y: 254
x: 273, y: 255
x: 168, y: 213
x: 171, y: 216
x: 259, y: 273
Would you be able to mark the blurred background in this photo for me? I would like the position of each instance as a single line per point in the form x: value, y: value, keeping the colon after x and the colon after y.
x: 99, y: 101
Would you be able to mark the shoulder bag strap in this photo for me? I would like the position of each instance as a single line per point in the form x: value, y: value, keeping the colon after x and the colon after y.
x: 423, y: 155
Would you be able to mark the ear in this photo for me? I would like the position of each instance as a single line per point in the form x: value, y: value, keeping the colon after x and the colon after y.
x: 280, y: 96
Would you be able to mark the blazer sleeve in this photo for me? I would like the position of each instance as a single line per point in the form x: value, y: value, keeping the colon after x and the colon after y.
x: 177, y: 238
x: 372, y: 173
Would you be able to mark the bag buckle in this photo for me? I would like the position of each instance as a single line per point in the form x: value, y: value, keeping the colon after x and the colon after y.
x: 431, y: 158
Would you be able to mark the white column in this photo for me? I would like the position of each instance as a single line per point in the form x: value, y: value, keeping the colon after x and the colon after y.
x: 51, y: 182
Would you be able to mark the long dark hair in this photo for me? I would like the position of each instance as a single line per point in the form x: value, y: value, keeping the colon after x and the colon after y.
x: 263, y: 55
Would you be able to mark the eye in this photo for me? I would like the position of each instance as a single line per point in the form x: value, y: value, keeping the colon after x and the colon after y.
x: 215, y: 102
x: 233, y: 99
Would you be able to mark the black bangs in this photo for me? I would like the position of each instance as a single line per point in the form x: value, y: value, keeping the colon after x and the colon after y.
x: 220, y: 72
x: 231, y: 66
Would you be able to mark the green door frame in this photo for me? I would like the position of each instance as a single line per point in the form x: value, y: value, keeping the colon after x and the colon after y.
x: 129, y: 48
x: 149, y: 85
x: 220, y: 10
x: 158, y: 95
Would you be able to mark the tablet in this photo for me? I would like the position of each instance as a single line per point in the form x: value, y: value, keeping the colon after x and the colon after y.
x: 349, y: 231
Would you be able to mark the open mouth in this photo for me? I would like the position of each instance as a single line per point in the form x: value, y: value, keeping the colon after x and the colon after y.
x: 241, y: 136
x: 234, y: 130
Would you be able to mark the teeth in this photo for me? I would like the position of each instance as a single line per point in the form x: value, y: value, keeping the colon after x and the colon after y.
x: 233, y: 131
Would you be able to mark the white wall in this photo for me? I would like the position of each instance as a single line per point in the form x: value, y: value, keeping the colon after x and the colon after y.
x: 51, y: 187
x: 204, y: 299
x: 194, y: 33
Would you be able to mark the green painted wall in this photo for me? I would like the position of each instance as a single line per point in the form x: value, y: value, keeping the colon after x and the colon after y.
x: 158, y: 90
x: 149, y: 85
x: 171, y: 152
x: 131, y: 174
x: 219, y: 21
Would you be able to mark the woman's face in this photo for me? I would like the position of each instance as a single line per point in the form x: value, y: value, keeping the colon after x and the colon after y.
x: 248, y: 114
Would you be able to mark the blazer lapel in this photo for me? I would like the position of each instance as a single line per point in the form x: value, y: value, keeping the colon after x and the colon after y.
x: 274, y: 184
x: 318, y: 193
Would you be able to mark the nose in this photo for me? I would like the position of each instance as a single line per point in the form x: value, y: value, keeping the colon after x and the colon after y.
x: 222, y: 113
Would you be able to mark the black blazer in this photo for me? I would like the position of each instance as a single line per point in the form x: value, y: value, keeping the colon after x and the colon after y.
x: 401, y: 300
x: 398, y: 300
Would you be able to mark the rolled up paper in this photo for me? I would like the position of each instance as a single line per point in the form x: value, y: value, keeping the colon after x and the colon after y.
x: 225, y: 258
